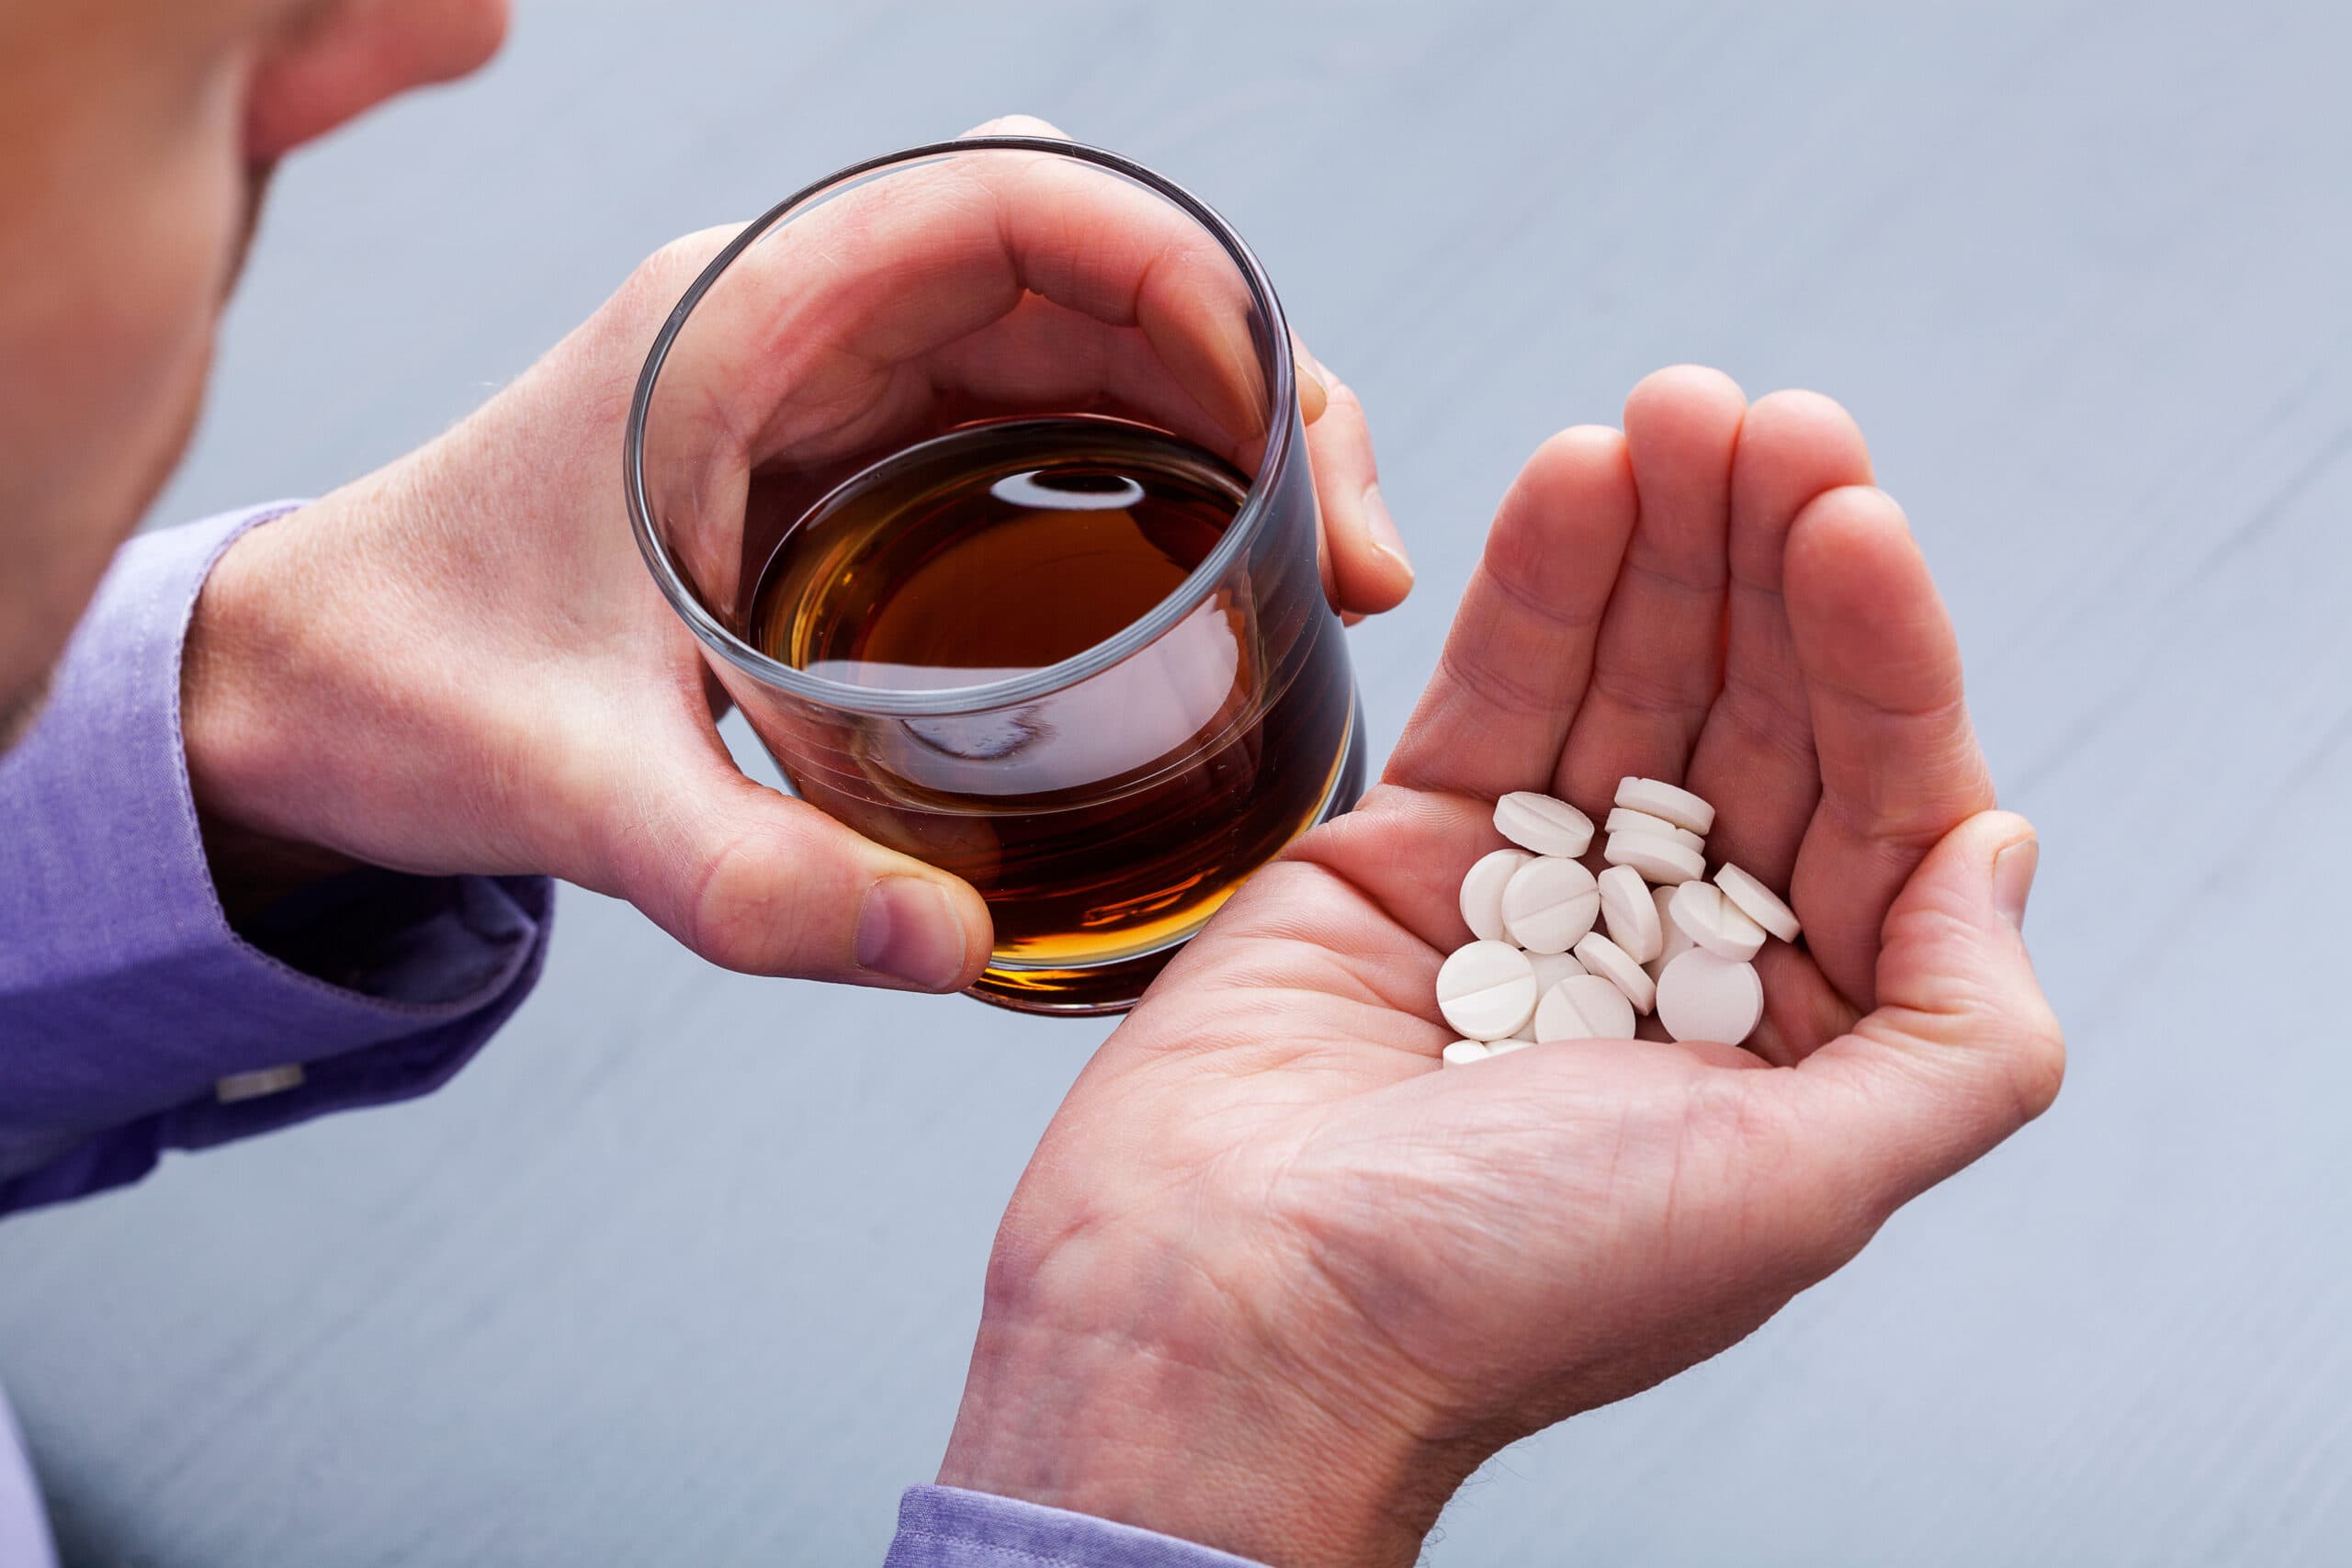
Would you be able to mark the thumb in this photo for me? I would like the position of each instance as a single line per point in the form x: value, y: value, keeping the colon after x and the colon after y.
x: 758, y: 882
x: 1962, y: 1049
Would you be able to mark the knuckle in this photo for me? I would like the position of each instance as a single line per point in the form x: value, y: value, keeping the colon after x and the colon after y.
x: 656, y: 283
x: 2037, y: 1064
x: 745, y: 916
x: 1765, y: 722
x: 1945, y: 783
x: 1501, y: 686
x: 1676, y: 698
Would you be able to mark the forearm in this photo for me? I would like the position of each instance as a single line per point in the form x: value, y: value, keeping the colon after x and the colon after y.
x: 236, y: 738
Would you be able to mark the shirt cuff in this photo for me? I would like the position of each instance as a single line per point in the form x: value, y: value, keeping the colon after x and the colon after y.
x: 946, y: 1526
x: 125, y: 996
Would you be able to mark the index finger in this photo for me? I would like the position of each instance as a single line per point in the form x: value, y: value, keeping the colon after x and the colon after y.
x: 1516, y: 663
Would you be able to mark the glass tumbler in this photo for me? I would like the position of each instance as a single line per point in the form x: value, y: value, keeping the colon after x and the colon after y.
x: 979, y: 471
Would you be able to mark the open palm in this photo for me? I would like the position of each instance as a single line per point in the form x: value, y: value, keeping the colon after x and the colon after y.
x: 1343, y: 1266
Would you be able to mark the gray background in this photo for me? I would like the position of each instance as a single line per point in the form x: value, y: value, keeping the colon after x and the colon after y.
x: 685, y: 1269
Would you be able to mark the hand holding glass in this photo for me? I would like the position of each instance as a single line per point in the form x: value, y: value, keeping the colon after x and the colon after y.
x: 979, y: 471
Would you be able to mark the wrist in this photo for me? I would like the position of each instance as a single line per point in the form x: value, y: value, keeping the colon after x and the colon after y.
x: 1189, y: 1418
x: 241, y: 683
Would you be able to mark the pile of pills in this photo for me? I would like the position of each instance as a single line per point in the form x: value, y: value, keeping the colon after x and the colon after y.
x: 1563, y: 955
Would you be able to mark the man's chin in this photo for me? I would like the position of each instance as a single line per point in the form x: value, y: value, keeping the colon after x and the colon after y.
x: 257, y: 178
x: 18, y: 709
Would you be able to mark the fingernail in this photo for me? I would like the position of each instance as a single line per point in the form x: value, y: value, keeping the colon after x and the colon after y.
x: 1236, y: 387
x: 1314, y: 395
x: 1383, y: 528
x: 2013, y: 871
x: 910, y: 930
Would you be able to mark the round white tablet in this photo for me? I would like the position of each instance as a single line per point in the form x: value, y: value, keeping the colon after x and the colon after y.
x: 1584, y: 1006
x: 1660, y: 798
x: 1613, y: 964
x: 1551, y: 968
x: 1486, y: 990
x: 1659, y: 859
x: 1462, y: 1053
x: 1482, y: 892
x: 1677, y: 941
x: 1701, y: 996
x: 1548, y: 903
x: 1622, y: 820
x: 1505, y: 1046
x: 1758, y: 902
x: 1629, y: 914
x: 1538, y: 822
x: 1715, y: 922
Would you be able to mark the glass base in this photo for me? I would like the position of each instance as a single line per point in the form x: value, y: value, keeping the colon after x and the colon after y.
x: 1117, y: 984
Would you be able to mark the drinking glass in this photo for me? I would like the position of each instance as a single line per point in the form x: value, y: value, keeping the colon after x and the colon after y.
x: 869, y: 336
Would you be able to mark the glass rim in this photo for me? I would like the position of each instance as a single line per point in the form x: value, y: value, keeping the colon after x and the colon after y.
x: 1137, y: 634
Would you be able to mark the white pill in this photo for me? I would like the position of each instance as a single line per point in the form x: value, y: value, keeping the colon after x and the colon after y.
x: 1548, y: 903
x: 1515, y: 1043
x: 1622, y: 820
x: 1715, y: 922
x: 1551, y: 968
x: 1629, y: 914
x: 1614, y: 965
x: 1701, y: 996
x: 1538, y: 822
x: 1584, y: 1006
x: 1659, y: 859
x: 1482, y: 892
x: 1759, y: 903
x: 1462, y: 1053
x: 1486, y: 990
x: 1660, y: 798
x: 1525, y: 1033
x: 1677, y: 941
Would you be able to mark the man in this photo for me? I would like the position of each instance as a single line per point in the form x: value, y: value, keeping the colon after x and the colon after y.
x: 276, y: 845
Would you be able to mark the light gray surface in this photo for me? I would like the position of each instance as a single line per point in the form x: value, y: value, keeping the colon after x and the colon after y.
x: 685, y: 1269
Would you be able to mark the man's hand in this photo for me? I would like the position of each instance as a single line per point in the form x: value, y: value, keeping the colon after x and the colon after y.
x: 461, y: 664
x: 1276, y: 1283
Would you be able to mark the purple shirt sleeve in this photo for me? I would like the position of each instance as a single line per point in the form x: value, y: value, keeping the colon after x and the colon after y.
x: 132, y: 1019
x: 945, y: 1526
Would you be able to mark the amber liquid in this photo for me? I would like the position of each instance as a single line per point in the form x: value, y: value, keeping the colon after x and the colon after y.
x: 1106, y: 821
